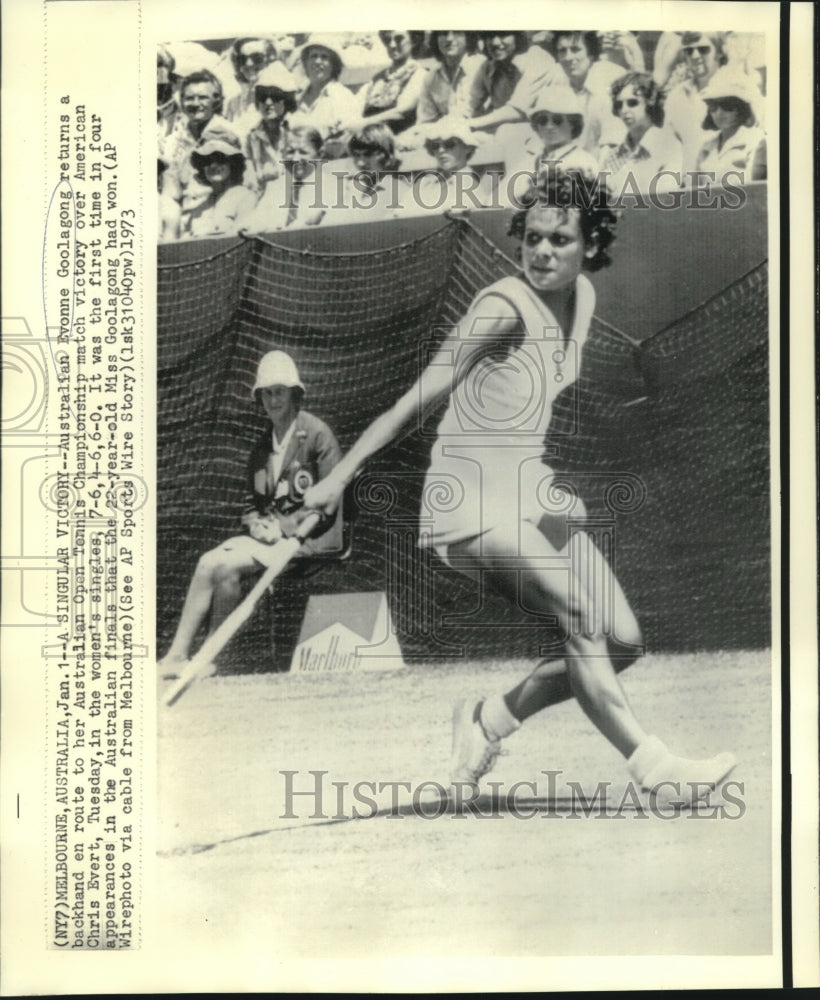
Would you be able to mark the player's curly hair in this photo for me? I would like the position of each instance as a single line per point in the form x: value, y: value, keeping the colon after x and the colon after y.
x: 567, y: 189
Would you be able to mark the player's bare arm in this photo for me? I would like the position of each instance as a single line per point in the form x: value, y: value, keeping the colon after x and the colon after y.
x: 448, y: 367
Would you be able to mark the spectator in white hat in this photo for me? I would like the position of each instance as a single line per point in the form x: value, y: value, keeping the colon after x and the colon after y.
x: 294, y: 451
x: 326, y: 102
x: 275, y: 98
x: 557, y: 123
x: 455, y: 184
x: 704, y: 53
x: 731, y: 112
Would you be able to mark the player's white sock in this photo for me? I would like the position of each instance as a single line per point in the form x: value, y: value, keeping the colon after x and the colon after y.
x: 497, y: 720
x: 646, y: 758
x: 653, y: 766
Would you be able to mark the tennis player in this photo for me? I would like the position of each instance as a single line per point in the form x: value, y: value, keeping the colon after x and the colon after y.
x: 295, y: 450
x: 502, y: 368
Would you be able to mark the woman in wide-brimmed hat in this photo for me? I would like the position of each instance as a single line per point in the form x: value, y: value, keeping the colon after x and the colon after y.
x: 326, y: 102
x: 455, y: 184
x: 731, y: 111
x: 219, y: 166
x: 294, y: 450
x: 557, y: 122
x: 703, y: 54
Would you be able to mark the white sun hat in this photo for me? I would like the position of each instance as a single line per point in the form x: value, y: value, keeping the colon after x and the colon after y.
x: 276, y: 368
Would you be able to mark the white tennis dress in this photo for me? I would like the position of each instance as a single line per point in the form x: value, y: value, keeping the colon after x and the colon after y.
x: 487, y: 463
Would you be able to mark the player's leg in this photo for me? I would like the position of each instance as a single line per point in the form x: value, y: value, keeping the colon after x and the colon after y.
x: 549, y: 683
x: 548, y: 579
x: 221, y: 569
x: 521, y: 564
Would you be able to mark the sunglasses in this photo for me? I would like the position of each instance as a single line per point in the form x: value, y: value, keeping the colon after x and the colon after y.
x: 722, y: 103
x: 273, y: 93
x: 257, y: 58
x: 214, y: 160
x: 690, y: 50
x: 630, y: 102
x: 546, y: 118
x: 434, y: 145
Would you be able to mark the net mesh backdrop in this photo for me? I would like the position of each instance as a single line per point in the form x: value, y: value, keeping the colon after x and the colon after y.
x: 666, y: 439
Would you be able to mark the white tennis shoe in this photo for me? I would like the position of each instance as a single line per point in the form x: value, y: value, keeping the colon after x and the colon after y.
x: 680, y: 781
x: 473, y: 754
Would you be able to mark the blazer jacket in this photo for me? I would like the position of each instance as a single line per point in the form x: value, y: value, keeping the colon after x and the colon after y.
x: 311, y: 453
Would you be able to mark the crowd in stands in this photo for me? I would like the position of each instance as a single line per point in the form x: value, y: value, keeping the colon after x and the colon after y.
x: 270, y: 132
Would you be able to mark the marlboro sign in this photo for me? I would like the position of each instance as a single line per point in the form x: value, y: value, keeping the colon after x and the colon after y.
x: 345, y: 633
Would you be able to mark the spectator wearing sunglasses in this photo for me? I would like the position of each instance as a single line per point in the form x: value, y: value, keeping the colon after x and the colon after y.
x: 275, y: 98
x: 703, y: 54
x: 455, y: 184
x: 650, y: 157
x: 220, y: 168
x: 731, y: 100
x: 579, y: 55
x: 507, y: 84
x: 557, y: 123
x: 249, y: 57
x: 373, y: 191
